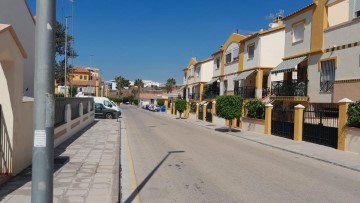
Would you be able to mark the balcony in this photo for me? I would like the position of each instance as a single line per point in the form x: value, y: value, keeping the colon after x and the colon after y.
x: 194, y: 96
x: 245, y: 92
x: 290, y: 88
x: 211, y: 93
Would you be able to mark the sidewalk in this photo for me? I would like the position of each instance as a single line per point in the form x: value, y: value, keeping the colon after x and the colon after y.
x: 86, y: 168
x: 322, y: 153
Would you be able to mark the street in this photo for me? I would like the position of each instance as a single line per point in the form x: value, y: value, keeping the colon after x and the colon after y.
x: 177, y: 161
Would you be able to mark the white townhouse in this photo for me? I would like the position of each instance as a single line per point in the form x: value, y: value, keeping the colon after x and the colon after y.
x: 196, y: 75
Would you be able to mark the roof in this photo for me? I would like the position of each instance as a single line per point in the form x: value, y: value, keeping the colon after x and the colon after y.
x: 298, y: 11
x: 80, y: 70
x: 204, y: 61
x: 7, y: 27
x: 265, y: 32
x: 83, y: 83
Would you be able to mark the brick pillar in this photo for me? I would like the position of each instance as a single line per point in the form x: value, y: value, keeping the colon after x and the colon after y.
x: 343, y: 118
x: 268, y: 111
x: 299, y: 121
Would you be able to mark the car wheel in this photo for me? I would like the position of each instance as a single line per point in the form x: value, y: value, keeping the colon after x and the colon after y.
x: 109, y: 116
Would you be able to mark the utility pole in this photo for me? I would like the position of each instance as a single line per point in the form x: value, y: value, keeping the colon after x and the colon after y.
x: 66, y: 34
x: 44, y: 106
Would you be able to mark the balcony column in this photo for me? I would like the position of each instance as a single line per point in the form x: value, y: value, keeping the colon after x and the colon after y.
x: 259, y: 84
x: 186, y: 94
x: 222, y: 88
x: 201, y: 91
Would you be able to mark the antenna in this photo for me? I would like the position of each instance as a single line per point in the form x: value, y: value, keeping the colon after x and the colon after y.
x: 280, y: 13
x: 270, y: 16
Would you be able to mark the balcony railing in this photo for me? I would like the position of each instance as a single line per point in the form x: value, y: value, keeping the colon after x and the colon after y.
x: 289, y: 88
x: 246, y: 92
x: 265, y: 92
x: 194, y: 96
x: 211, y: 93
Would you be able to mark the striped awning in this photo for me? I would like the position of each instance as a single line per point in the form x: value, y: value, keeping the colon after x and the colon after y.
x: 244, y: 75
x: 288, y: 65
x: 211, y: 81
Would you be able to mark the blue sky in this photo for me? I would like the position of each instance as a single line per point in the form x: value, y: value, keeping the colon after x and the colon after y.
x: 155, y: 39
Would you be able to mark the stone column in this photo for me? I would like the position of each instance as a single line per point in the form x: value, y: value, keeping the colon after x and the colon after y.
x: 268, y: 111
x: 298, y: 123
x: 166, y: 103
x: 222, y: 88
x: 197, y: 111
x: 213, y: 110
x: 204, y: 112
x: 259, y: 84
x: 201, y: 91
x: 343, y: 118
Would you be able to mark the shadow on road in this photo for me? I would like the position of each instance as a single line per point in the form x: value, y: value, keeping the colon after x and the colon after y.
x: 148, y: 177
x: 226, y: 129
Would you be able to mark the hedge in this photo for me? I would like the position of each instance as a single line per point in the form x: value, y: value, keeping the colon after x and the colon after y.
x: 354, y: 115
x: 255, y: 109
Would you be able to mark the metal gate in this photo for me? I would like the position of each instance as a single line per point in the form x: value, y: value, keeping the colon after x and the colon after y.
x: 282, y: 123
x: 321, y: 124
x: 208, y: 115
x: 201, y: 113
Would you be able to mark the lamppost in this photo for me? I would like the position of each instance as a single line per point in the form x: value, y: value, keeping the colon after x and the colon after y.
x: 66, y: 31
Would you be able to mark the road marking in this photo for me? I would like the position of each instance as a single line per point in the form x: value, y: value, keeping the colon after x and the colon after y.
x: 132, y: 171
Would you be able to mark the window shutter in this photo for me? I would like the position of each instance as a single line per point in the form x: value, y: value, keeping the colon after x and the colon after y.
x: 236, y: 53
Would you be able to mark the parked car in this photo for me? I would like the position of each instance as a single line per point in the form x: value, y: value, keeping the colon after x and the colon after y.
x: 102, y: 111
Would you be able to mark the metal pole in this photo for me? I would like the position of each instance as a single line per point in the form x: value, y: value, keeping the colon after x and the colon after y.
x: 66, y: 33
x: 44, y: 106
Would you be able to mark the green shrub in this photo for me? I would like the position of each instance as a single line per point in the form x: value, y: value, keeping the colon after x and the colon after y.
x: 354, y: 115
x: 229, y: 107
x: 180, y: 106
x: 255, y: 109
x: 136, y: 102
x: 160, y: 102
x: 59, y: 95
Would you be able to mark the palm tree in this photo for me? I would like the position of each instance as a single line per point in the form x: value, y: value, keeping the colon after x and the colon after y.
x: 121, y: 82
x: 170, y: 83
x: 139, y: 84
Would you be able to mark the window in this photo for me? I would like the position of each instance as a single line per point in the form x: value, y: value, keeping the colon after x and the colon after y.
x: 85, y: 77
x: 107, y: 103
x: 298, y: 32
x: 198, y: 72
x: 327, y: 75
x: 251, y: 51
x: 236, y: 54
x: 81, y: 77
x: 217, y: 63
x: 228, y: 57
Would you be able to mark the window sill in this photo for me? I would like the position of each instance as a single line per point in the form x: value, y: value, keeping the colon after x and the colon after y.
x: 298, y: 42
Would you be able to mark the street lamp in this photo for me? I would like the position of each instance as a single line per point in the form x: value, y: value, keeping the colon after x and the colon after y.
x: 66, y: 31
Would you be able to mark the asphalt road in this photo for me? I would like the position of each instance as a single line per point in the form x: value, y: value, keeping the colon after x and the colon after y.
x: 176, y: 161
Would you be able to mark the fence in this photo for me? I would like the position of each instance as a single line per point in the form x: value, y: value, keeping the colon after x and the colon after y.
x: 60, y: 104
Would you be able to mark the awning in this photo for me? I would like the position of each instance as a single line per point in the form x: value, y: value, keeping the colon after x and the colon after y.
x: 244, y: 75
x: 211, y: 81
x: 203, y: 103
x: 288, y: 65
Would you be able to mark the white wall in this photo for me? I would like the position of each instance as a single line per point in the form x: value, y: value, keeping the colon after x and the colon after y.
x: 272, y: 49
x: 16, y: 13
x: 255, y: 61
x: 216, y: 72
x: 300, y: 47
x: 233, y: 66
x: 206, y: 71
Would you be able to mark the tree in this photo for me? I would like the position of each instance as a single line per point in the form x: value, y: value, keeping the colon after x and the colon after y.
x: 121, y: 82
x: 160, y: 102
x: 139, y: 83
x: 229, y: 107
x: 180, y: 106
x: 59, y: 69
x: 169, y: 86
x: 72, y: 91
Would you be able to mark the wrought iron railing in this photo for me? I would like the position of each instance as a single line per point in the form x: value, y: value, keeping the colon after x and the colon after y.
x: 289, y: 88
x: 245, y: 92
x: 265, y: 92
x: 326, y: 86
x: 194, y: 96
x: 211, y: 93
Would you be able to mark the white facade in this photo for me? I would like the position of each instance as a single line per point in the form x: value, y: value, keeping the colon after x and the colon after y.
x: 17, y: 14
x: 233, y: 65
x: 293, y: 47
x: 111, y: 84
